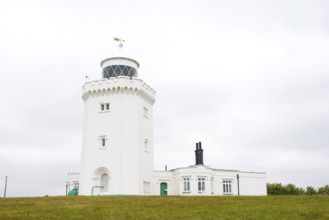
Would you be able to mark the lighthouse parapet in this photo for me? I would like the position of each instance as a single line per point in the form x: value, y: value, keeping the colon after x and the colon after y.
x: 120, y: 84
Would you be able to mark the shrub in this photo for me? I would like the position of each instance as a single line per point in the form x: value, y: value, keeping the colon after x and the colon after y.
x: 324, y: 190
x: 310, y: 190
x: 279, y: 189
x: 276, y: 189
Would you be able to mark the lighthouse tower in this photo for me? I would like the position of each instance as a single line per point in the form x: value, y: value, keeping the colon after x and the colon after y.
x: 117, y: 145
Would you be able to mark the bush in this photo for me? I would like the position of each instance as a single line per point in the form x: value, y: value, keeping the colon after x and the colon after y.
x: 310, y: 190
x: 276, y: 189
x: 291, y: 189
x: 324, y: 190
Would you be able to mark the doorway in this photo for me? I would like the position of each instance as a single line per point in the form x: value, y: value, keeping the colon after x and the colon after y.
x: 163, y: 189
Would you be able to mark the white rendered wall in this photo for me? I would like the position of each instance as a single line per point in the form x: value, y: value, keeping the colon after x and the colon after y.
x: 125, y: 127
x: 193, y: 172
x: 250, y: 183
x: 164, y: 177
x: 72, y: 178
x: 222, y: 175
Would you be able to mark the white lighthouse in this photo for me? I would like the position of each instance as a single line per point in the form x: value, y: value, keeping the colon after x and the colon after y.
x: 117, y: 145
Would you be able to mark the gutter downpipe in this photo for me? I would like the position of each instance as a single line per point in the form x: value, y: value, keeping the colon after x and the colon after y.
x: 237, y: 177
x: 92, y: 189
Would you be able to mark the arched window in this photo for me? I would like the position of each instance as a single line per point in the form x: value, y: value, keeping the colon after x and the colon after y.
x: 105, y: 182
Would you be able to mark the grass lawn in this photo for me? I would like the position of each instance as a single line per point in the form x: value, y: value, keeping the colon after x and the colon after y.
x: 171, y: 207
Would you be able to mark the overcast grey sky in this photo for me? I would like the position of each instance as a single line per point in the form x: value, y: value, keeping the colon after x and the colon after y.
x: 250, y: 79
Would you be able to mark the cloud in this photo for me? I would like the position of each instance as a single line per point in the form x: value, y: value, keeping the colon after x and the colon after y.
x: 248, y: 79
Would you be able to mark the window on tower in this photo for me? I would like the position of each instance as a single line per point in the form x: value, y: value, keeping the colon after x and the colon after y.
x: 146, y: 145
x: 119, y: 70
x: 105, y: 106
x: 146, y: 112
x: 103, y: 142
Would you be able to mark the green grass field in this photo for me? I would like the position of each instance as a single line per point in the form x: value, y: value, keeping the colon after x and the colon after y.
x: 171, y: 207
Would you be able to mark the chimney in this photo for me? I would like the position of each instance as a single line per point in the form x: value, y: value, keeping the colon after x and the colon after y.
x: 198, y: 154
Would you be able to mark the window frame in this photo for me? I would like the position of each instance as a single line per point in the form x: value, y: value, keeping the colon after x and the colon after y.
x: 76, y: 185
x: 146, y: 187
x: 145, y: 112
x: 104, y: 106
x: 227, y: 186
x: 186, y: 184
x: 201, y: 184
x: 146, y: 145
x: 103, y: 142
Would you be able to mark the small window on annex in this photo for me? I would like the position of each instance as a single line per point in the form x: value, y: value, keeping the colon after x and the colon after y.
x: 227, y: 186
x: 201, y: 184
x: 146, y: 186
x: 76, y: 185
x: 186, y: 184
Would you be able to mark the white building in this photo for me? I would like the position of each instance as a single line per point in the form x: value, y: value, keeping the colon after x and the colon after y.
x: 203, y: 180
x: 117, y: 145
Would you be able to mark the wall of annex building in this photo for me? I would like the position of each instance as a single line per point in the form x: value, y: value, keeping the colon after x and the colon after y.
x: 164, y: 177
x: 193, y: 174
x: 72, y: 182
x: 225, y: 176
x: 250, y: 183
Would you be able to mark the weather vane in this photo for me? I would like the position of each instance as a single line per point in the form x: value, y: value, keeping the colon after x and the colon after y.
x: 120, y: 40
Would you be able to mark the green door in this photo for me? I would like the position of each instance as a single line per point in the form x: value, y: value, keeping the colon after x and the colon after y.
x: 163, y: 189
